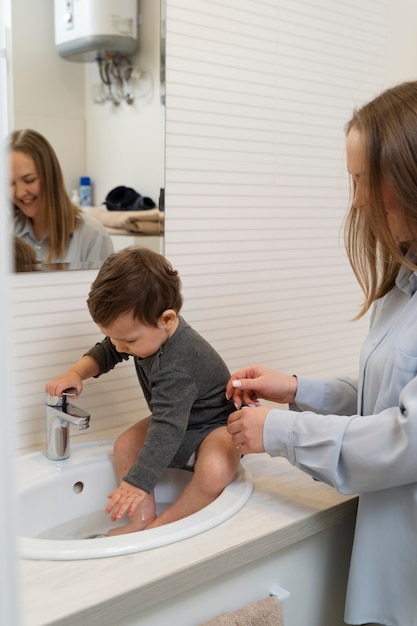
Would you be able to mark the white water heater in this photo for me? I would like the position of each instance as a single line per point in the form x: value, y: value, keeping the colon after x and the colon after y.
x: 84, y: 29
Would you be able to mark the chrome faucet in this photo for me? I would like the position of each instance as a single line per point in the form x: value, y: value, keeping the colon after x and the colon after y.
x: 59, y: 414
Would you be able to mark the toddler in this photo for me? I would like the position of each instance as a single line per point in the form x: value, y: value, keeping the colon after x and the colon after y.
x: 136, y: 301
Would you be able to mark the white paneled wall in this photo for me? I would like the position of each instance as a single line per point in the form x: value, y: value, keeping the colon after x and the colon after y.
x: 258, y: 93
x: 52, y: 330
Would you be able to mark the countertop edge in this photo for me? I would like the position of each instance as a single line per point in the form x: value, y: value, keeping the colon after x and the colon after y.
x: 204, y: 571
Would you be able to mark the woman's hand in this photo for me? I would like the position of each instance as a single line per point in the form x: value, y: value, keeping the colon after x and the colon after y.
x: 256, y: 381
x: 246, y: 427
x: 123, y: 500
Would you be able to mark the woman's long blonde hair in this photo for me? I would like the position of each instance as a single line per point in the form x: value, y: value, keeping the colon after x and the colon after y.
x: 61, y: 216
x: 388, y: 126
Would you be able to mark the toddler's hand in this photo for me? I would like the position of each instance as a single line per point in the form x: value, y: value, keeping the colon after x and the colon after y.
x: 123, y: 500
x: 68, y: 380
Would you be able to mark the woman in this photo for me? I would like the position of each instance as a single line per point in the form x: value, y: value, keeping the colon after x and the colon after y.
x: 361, y: 436
x: 44, y: 216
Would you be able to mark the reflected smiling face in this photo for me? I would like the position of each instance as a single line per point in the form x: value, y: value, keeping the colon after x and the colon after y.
x: 25, y: 187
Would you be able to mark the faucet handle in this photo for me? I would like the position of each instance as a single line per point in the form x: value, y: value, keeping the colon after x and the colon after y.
x: 61, y: 400
x: 53, y: 400
x: 71, y: 392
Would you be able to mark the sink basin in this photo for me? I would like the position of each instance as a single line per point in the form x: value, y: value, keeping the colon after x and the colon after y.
x: 61, y: 506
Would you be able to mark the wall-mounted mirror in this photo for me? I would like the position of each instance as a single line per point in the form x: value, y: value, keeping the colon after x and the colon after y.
x: 114, y: 141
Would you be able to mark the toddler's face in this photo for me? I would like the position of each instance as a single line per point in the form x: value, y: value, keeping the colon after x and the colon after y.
x: 135, y: 338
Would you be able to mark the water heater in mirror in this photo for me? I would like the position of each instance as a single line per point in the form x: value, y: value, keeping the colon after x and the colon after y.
x: 84, y: 29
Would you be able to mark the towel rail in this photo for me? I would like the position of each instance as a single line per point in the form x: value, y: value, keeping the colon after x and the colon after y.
x: 280, y: 593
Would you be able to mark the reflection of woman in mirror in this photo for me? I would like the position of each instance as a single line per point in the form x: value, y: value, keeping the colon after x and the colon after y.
x: 44, y: 216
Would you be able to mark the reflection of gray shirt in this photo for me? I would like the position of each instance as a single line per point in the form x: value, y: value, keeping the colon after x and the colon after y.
x: 90, y: 242
x: 184, y: 386
x: 361, y: 437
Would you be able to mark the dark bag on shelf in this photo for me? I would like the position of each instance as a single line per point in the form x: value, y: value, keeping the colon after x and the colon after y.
x: 127, y: 199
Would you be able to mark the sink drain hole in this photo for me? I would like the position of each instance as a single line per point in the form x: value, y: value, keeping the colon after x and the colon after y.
x: 78, y: 487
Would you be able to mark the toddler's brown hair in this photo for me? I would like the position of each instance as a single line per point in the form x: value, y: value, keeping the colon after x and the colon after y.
x: 137, y: 280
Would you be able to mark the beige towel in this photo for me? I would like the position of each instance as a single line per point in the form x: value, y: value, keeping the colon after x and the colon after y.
x: 149, y: 222
x: 267, y: 612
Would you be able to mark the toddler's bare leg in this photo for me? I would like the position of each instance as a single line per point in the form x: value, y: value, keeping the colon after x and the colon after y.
x: 126, y: 449
x: 215, y: 468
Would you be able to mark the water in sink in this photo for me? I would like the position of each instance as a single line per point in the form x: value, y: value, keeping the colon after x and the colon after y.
x: 88, y: 526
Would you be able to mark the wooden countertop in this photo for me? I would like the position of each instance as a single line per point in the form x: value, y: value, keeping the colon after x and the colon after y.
x: 285, y: 507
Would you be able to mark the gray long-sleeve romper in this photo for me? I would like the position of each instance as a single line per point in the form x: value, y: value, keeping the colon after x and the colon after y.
x: 184, y: 387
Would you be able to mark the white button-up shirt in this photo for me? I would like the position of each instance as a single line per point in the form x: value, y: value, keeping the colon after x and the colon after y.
x: 361, y: 437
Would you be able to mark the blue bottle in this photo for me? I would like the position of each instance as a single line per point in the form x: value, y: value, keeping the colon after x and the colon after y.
x: 85, y: 191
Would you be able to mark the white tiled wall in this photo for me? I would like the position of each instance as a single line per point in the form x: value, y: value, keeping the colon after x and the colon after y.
x: 257, y: 97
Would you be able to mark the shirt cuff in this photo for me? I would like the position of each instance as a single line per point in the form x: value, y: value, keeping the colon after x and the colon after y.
x: 278, y: 436
x: 310, y: 393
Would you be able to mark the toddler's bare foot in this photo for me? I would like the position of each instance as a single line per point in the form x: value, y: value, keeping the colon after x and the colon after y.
x: 131, y: 527
x: 154, y: 524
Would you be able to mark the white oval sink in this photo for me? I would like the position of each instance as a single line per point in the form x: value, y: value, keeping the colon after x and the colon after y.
x: 61, y: 506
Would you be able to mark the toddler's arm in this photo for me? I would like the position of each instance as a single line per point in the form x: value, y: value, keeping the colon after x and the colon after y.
x: 86, y: 367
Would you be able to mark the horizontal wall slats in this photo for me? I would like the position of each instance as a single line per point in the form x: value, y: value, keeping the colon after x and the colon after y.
x: 258, y: 94
x: 51, y: 330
